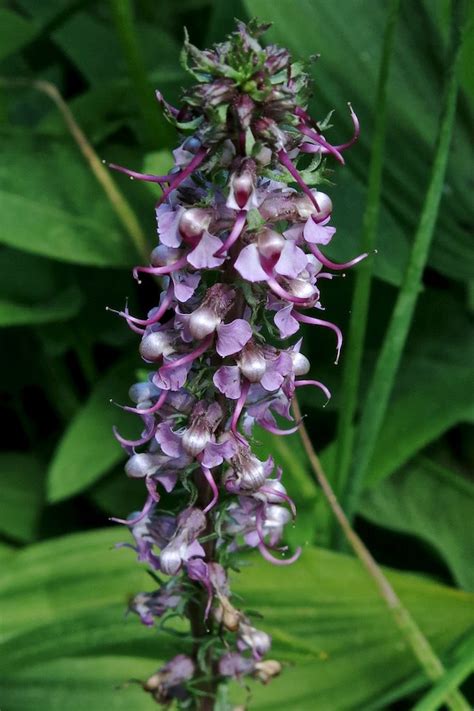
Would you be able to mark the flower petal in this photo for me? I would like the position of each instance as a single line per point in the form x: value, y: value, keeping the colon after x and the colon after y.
x: 317, y: 234
x: 292, y: 261
x: 227, y: 380
x: 232, y: 337
x: 285, y: 322
x: 168, y: 224
x: 248, y: 264
x: 202, y: 256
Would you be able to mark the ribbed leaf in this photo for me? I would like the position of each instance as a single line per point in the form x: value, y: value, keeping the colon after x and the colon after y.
x: 88, y: 448
x: 63, y: 598
x: 409, y: 502
x: 51, y: 204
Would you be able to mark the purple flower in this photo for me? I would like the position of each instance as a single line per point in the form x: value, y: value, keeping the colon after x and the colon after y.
x: 241, y: 257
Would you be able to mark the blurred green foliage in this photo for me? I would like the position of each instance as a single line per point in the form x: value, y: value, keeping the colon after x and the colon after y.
x: 65, y: 256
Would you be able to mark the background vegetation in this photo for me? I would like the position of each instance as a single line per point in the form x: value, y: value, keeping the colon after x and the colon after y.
x: 66, y: 254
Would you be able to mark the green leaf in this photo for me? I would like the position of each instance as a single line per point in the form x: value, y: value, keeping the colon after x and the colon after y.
x: 409, y: 502
x: 95, y: 50
x: 88, y: 449
x: 21, y: 500
x: 435, y: 370
x: 62, y: 307
x: 51, y: 204
x: 15, y: 32
x: 453, y: 678
x: 63, y: 633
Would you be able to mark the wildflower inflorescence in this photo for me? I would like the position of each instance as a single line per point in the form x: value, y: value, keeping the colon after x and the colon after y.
x: 241, y: 230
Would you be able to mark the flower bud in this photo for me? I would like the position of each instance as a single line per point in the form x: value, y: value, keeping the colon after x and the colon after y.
x: 252, y: 363
x: 163, y: 256
x: 302, y: 289
x: 270, y: 243
x: 265, y: 671
x: 306, y: 208
x: 301, y: 364
x: 244, y: 108
x: 235, y: 665
x: 203, y: 322
x: 276, y: 517
x: 192, y: 144
x: 156, y: 344
x: 140, y: 392
x: 279, y: 207
x: 256, y: 640
x: 171, y: 558
x: 195, y: 439
x: 242, y: 195
x: 263, y: 154
x: 194, y: 222
x: 248, y: 470
x: 274, y: 485
x: 227, y: 615
x: 143, y: 464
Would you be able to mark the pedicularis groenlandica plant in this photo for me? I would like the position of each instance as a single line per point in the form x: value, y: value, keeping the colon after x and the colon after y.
x: 241, y: 225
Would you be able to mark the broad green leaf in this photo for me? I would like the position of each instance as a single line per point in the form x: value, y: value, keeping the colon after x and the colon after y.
x: 15, y: 32
x: 63, y: 598
x: 90, y: 683
x: 430, y: 395
x: 52, y: 205
x: 117, y: 494
x: 409, y: 502
x: 88, y: 449
x: 26, y: 278
x: 96, y: 52
x: 21, y: 500
x: 62, y: 307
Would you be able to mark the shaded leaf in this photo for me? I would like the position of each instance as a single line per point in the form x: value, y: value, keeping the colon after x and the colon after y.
x: 88, y: 448
x: 430, y: 394
x: 62, y: 307
x: 15, y: 32
x: 21, y: 500
x: 51, y: 204
x: 409, y: 502
x: 324, y: 614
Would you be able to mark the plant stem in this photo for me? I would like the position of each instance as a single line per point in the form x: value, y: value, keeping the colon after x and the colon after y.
x: 117, y: 199
x: 408, y: 627
x: 157, y: 128
x: 200, y: 627
x: 377, y: 398
x: 361, y: 296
